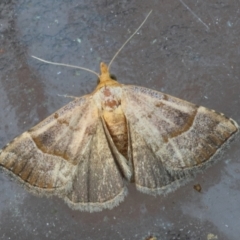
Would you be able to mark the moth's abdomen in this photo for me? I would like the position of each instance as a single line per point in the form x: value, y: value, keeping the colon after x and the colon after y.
x: 117, y: 127
x: 108, y: 100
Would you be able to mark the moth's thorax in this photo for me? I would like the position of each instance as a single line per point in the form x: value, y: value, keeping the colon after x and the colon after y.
x: 111, y: 98
x: 108, y: 101
x: 108, y: 97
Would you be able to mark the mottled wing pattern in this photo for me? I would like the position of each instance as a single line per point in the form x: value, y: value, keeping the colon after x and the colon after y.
x: 68, y: 154
x: 170, y: 138
x: 45, y: 157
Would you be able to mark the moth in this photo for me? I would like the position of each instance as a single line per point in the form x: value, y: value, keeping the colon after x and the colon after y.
x: 88, y: 150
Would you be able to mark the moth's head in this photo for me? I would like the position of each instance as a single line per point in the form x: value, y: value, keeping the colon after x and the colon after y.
x: 106, y: 79
x: 105, y: 74
x: 103, y: 68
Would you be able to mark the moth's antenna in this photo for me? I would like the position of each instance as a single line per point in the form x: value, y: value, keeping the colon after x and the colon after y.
x: 66, y: 65
x: 128, y: 39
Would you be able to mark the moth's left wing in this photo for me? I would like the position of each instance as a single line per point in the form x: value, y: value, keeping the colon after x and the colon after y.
x: 68, y: 155
x: 44, y: 158
x: 171, y: 139
x: 97, y: 182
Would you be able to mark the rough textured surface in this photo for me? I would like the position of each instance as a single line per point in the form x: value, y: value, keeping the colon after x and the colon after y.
x: 174, y: 53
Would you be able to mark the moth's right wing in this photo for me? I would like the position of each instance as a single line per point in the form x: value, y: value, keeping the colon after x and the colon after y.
x: 171, y: 139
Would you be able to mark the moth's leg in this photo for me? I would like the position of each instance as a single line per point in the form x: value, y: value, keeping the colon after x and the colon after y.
x: 68, y: 96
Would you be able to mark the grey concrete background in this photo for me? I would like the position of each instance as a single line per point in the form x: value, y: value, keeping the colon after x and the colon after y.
x: 189, y: 49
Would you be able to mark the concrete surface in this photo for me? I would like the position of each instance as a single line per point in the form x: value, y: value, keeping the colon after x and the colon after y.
x: 189, y: 49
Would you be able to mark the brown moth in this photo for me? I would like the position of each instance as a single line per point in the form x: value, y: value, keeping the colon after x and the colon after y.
x: 87, y: 151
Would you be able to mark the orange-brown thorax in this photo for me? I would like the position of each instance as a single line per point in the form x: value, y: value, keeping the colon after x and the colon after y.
x: 112, y: 110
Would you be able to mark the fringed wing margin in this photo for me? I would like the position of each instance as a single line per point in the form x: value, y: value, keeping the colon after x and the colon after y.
x: 98, y: 183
